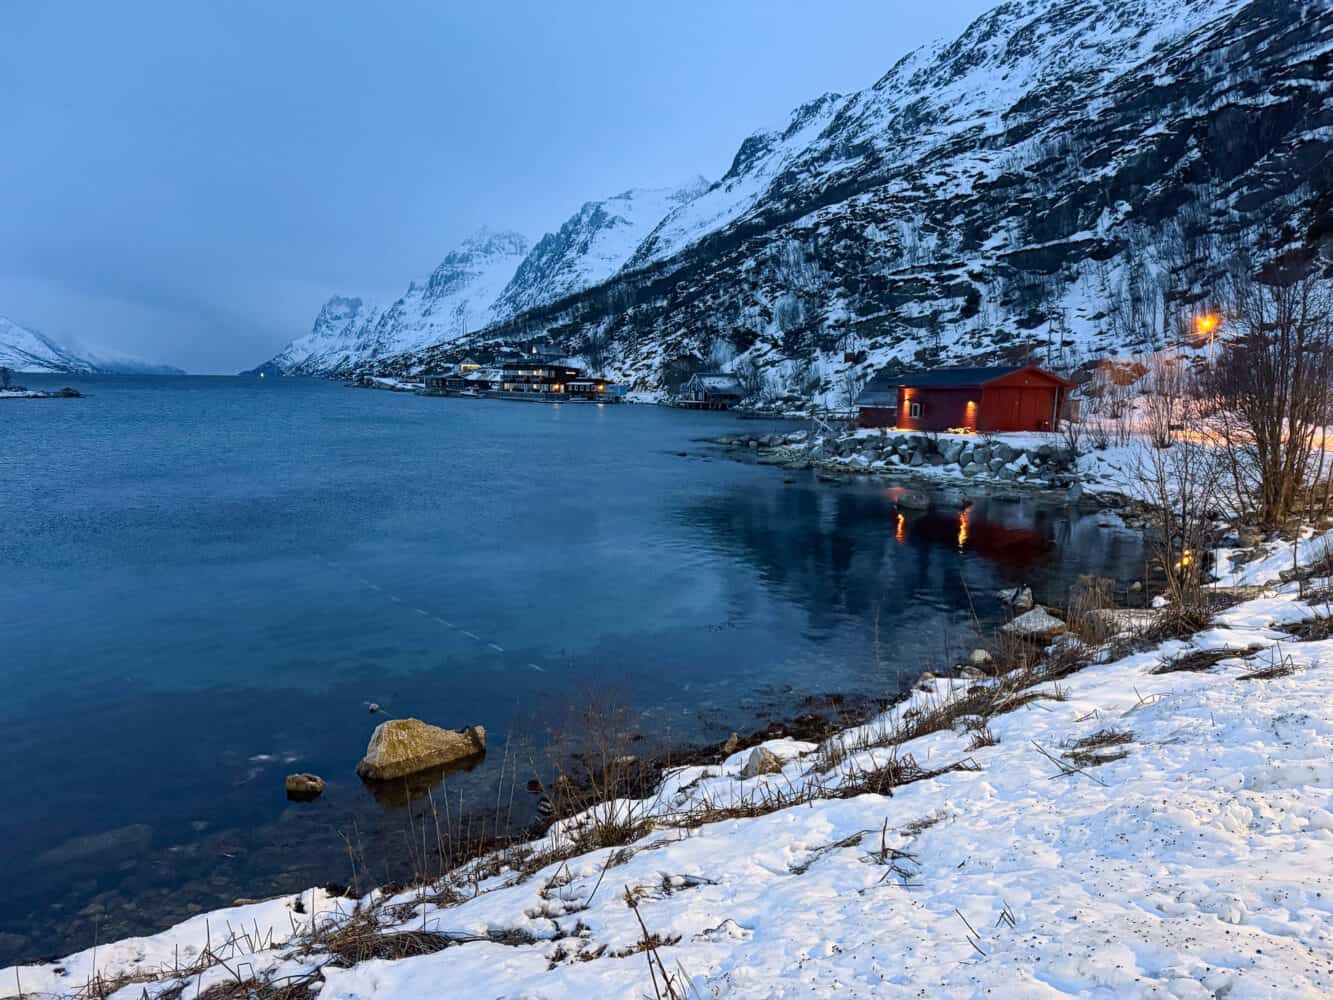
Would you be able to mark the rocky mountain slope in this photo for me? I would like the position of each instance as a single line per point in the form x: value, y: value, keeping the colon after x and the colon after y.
x: 458, y: 297
x: 591, y: 246
x: 1066, y: 178
x: 490, y: 277
x: 26, y: 350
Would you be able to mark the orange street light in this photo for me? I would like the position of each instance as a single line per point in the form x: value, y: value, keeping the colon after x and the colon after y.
x: 1206, y: 326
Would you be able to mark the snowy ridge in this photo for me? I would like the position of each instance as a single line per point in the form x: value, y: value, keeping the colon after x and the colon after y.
x: 761, y: 158
x: 26, y: 350
x: 1190, y: 855
x: 23, y: 349
x: 460, y: 295
x: 591, y: 246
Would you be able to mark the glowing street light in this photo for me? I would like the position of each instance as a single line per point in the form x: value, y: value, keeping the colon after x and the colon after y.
x: 1206, y: 326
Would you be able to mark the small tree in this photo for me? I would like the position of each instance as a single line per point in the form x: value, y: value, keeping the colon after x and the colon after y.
x: 853, y: 382
x: 750, y: 376
x: 1182, y: 472
x: 1272, y: 388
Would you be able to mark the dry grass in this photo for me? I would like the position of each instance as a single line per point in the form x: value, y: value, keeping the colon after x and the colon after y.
x: 1087, y: 597
x: 1312, y: 630
x: 983, y: 737
x: 1279, y: 666
x: 1092, y: 751
x: 1199, y: 659
x: 1177, y: 621
x: 291, y: 988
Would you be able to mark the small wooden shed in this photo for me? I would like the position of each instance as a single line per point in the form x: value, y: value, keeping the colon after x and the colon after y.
x: 1022, y: 398
x: 711, y: 391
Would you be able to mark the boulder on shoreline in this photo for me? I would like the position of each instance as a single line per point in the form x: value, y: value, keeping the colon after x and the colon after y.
x: 1018, y: 598
x: 401, y: 747
x: 761, y: 761
x: 1036, y: 624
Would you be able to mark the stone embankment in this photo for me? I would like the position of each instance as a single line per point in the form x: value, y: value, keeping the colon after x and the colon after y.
x: 1042, y: 464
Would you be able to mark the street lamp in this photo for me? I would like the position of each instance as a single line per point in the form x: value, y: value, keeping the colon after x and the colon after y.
x: 1206, y: 326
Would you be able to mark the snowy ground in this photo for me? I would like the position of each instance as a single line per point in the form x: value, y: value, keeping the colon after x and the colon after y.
x: 1198, y: 864
x: 22, y: 394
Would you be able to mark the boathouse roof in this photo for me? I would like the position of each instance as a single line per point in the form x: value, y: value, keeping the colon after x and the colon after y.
x: 882, y: 390
x: 716, y: 381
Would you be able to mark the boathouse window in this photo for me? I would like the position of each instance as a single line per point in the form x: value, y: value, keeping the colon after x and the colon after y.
x: 914, y: 409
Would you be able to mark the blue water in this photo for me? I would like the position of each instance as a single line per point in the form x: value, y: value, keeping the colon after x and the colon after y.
x: 204, y: 581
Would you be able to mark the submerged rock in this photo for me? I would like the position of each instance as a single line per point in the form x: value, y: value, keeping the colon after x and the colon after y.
x: 761, y: 761
x: 1036, y: 624
x: 304, y: 787
x: 401, y: 747
x: 913, y: 501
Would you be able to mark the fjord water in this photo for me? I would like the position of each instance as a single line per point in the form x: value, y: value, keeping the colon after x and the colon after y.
x: 204, y: 581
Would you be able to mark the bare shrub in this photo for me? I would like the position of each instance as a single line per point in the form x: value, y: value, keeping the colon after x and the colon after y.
x: 1278, y: 666
x: 1182, y: 475
x: 1273, y: 387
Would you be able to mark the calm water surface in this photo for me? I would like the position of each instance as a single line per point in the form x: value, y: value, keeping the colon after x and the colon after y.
x: 203, y: 582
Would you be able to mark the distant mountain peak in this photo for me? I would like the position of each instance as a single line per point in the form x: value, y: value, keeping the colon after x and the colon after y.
x: 456, y: 298
x: 24, y: 349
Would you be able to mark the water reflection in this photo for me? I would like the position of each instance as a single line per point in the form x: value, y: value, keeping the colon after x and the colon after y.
x: 842, y: 551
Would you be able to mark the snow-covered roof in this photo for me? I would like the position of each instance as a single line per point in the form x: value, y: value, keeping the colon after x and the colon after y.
x: 716, y: 381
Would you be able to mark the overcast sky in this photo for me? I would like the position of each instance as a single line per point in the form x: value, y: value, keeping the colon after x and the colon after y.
x: 189, y: 181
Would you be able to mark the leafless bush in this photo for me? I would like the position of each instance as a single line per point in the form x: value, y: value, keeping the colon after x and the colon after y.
x: 1182, y: 474
x: 1273, y: 388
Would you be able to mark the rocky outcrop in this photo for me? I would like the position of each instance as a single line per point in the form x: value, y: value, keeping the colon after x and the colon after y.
x: 401, y: 747
x: 967, y: 457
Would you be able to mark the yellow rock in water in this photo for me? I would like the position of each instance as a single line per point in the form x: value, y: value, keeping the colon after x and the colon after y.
x: 405, y: 746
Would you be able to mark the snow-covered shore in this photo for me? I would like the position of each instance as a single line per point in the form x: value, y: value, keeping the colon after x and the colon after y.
x: 1125, y: 833
x: 1024, y: 459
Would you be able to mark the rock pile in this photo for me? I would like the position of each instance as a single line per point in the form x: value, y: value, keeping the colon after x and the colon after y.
x: 969, y: 456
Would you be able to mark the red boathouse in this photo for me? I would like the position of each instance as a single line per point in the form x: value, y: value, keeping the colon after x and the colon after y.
x: 1025, y: 398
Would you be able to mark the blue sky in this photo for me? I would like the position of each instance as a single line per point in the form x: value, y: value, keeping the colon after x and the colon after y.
x: 188, y: 182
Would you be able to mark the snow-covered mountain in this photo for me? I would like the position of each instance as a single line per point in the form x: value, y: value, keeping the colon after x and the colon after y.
x: 1064, y: 179
x: 23, y: 349
x: 592, y: 245
x: 458, y: 297
x: 334, y: 342
x: 490, y: 277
